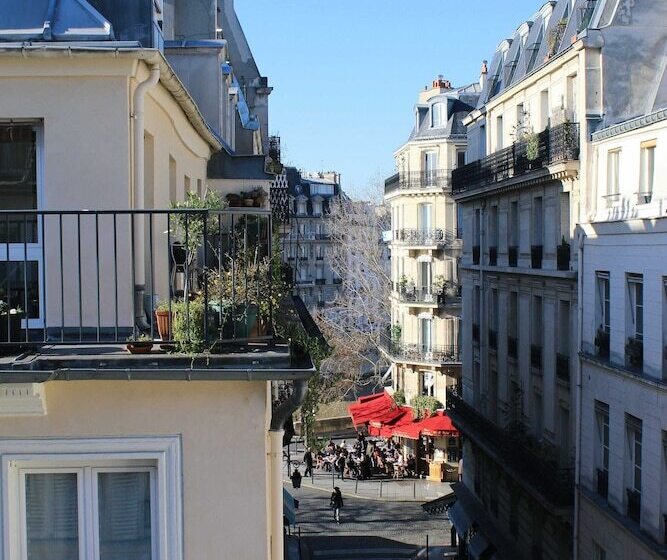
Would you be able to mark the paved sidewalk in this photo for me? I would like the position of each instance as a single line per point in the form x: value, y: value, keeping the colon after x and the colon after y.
x: 405, y: 490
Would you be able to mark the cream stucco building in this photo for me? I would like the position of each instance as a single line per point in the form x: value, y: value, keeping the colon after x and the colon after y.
x: 425, y: 245
x: 164, y: 456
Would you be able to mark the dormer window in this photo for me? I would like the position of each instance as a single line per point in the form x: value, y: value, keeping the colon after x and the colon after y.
x: 438, y: 115
x: 301, y: 206
x: 317, y: 206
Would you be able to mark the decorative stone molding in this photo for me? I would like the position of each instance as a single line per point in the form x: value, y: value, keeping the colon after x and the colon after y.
x: 22, y: 399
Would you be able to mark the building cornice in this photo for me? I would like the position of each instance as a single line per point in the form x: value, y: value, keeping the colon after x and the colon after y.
x: 630, y: 125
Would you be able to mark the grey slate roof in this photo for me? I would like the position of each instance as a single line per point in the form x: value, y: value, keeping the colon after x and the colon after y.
x: 460, y: 102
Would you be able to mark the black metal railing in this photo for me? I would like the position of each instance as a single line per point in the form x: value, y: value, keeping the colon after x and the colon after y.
x: 563, y: 367
x: 421, y: 353
x: 437, y: 178
x: 536, y: 356
x: 552, y: 145
x: 512, y: 347
x: 475, y: 254
x: 103, y: 276
x: 421, y: 295
x: 493, y: 256
x: 513, y: 255
x: 602, y: 483
x: 634, y: 504
x: 536, y: 256
x: 536, y: 466
x: 415, y: 236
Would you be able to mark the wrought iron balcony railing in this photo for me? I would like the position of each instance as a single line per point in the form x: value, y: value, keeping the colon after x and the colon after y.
x: 415, y: 236
x: 97, y: 276
x: 420, y: 352
x: 554, y: 144
x: 434, y: 179
x: 421, y: 295
x: 516, y: 451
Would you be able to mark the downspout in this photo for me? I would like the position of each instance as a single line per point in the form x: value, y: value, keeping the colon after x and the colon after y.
x: 577, y: 461
x: 276, y: 433
x: 138, y: 104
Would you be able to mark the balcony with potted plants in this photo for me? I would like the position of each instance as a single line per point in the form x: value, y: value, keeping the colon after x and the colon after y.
x: 416, y: 237
x: 432, y: 179
x: 525, y: 161
x: 194, y: 287
x: 426, y: 354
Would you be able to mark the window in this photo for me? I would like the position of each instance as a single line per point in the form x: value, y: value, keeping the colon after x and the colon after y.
x: 460, y: 158
x: 317, y: 206
x: 636, y: 306
x: 538, y: 228
x: 87, y: 500
x: 520, y: 119
x: 499, y: 132
x: 646, y: 171
x: 301, y: 206
x: 320, y: 188
x: 602, y: 436
x: 425, y: 216
x: 613, y: 169
x: 602, y: 302
x: 438, y: 115
x: 200, y: 192
x: 186, y: 184
x: 430, y: 169
x: 20, y: 235
x: 538, y: 414
x: 572, y: 97
x: 544, y: 109
x: 428, y: 383
x: 425, y: 326
x: 633, y: 427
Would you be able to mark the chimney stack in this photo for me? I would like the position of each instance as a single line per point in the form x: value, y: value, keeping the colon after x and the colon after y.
x: 441, y: 83
x: 483, y: 73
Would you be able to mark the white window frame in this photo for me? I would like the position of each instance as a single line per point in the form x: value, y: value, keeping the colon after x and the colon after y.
x: 163, y: 453
x: 646, y: 171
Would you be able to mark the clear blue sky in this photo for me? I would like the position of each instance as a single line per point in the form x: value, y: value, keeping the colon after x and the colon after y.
x: 346, y: 73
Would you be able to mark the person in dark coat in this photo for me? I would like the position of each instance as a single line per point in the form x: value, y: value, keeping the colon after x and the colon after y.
x: 308, y: 459
x: 336, y: 503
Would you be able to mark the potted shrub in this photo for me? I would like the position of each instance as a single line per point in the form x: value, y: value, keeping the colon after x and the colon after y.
x: 163, y: 319
x: 139, y: 344
x: 403, y: 283
x: 247, y: 198
x: 10, y: 323
x: 532, y: 146
x: 563, y: 255
x: 634, y: 351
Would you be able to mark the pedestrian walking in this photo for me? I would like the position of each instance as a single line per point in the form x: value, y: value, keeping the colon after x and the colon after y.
x: 308, y: 459
x: 336, y: 503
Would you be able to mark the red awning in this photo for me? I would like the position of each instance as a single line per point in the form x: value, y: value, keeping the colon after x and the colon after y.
x: 437, y: 425
x: 405, y: 418
x: 371, y: 407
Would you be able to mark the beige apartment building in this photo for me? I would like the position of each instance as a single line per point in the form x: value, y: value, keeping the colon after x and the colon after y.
x: 528, y: 181
x: 423, y: 344
x: 106, y: 453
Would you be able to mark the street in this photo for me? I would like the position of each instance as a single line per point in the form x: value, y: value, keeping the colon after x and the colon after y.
x: 368, y: 529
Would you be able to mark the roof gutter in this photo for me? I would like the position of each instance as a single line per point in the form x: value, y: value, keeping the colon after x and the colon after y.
x: 168, y: 77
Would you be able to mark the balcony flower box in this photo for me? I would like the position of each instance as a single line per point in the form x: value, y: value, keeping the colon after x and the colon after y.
x: 602, y: 343
x: 536, y: 256
x: 493, y: 256
x: 634, y: 352
x: 563, y: 256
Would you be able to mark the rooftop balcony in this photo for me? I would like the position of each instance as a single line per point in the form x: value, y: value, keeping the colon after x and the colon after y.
x: 557, y: 144
x: 528, y: 463
x: 91, y: 285
x: 420, y: 353
x: 414, y: 237
x: 437, y: 179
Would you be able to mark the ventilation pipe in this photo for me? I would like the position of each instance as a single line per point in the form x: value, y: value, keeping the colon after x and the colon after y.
x: 138, y: 104
x: 483, y: 74
x: 276, y: 433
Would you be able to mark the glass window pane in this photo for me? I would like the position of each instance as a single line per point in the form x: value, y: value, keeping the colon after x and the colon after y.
x: 52, y: 516
x: 125, y: 516
x: 12, y: 287
x: 18, y: 181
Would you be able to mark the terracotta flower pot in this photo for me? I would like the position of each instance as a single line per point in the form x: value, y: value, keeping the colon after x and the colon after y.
x: 163, y: 320
x: 140, y: 347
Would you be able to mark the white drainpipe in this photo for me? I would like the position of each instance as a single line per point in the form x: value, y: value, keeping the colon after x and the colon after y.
x: 138, y: 104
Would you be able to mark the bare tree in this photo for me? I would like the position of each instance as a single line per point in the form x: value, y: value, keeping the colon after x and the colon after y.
x: 360, y: 315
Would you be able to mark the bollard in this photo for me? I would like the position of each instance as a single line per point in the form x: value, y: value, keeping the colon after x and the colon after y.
x: 356, y: 485
x: 414, y: 490
x: 427, y: 547
x: 333, y: 475
x: 299, y: 542
x: 380, y: 489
